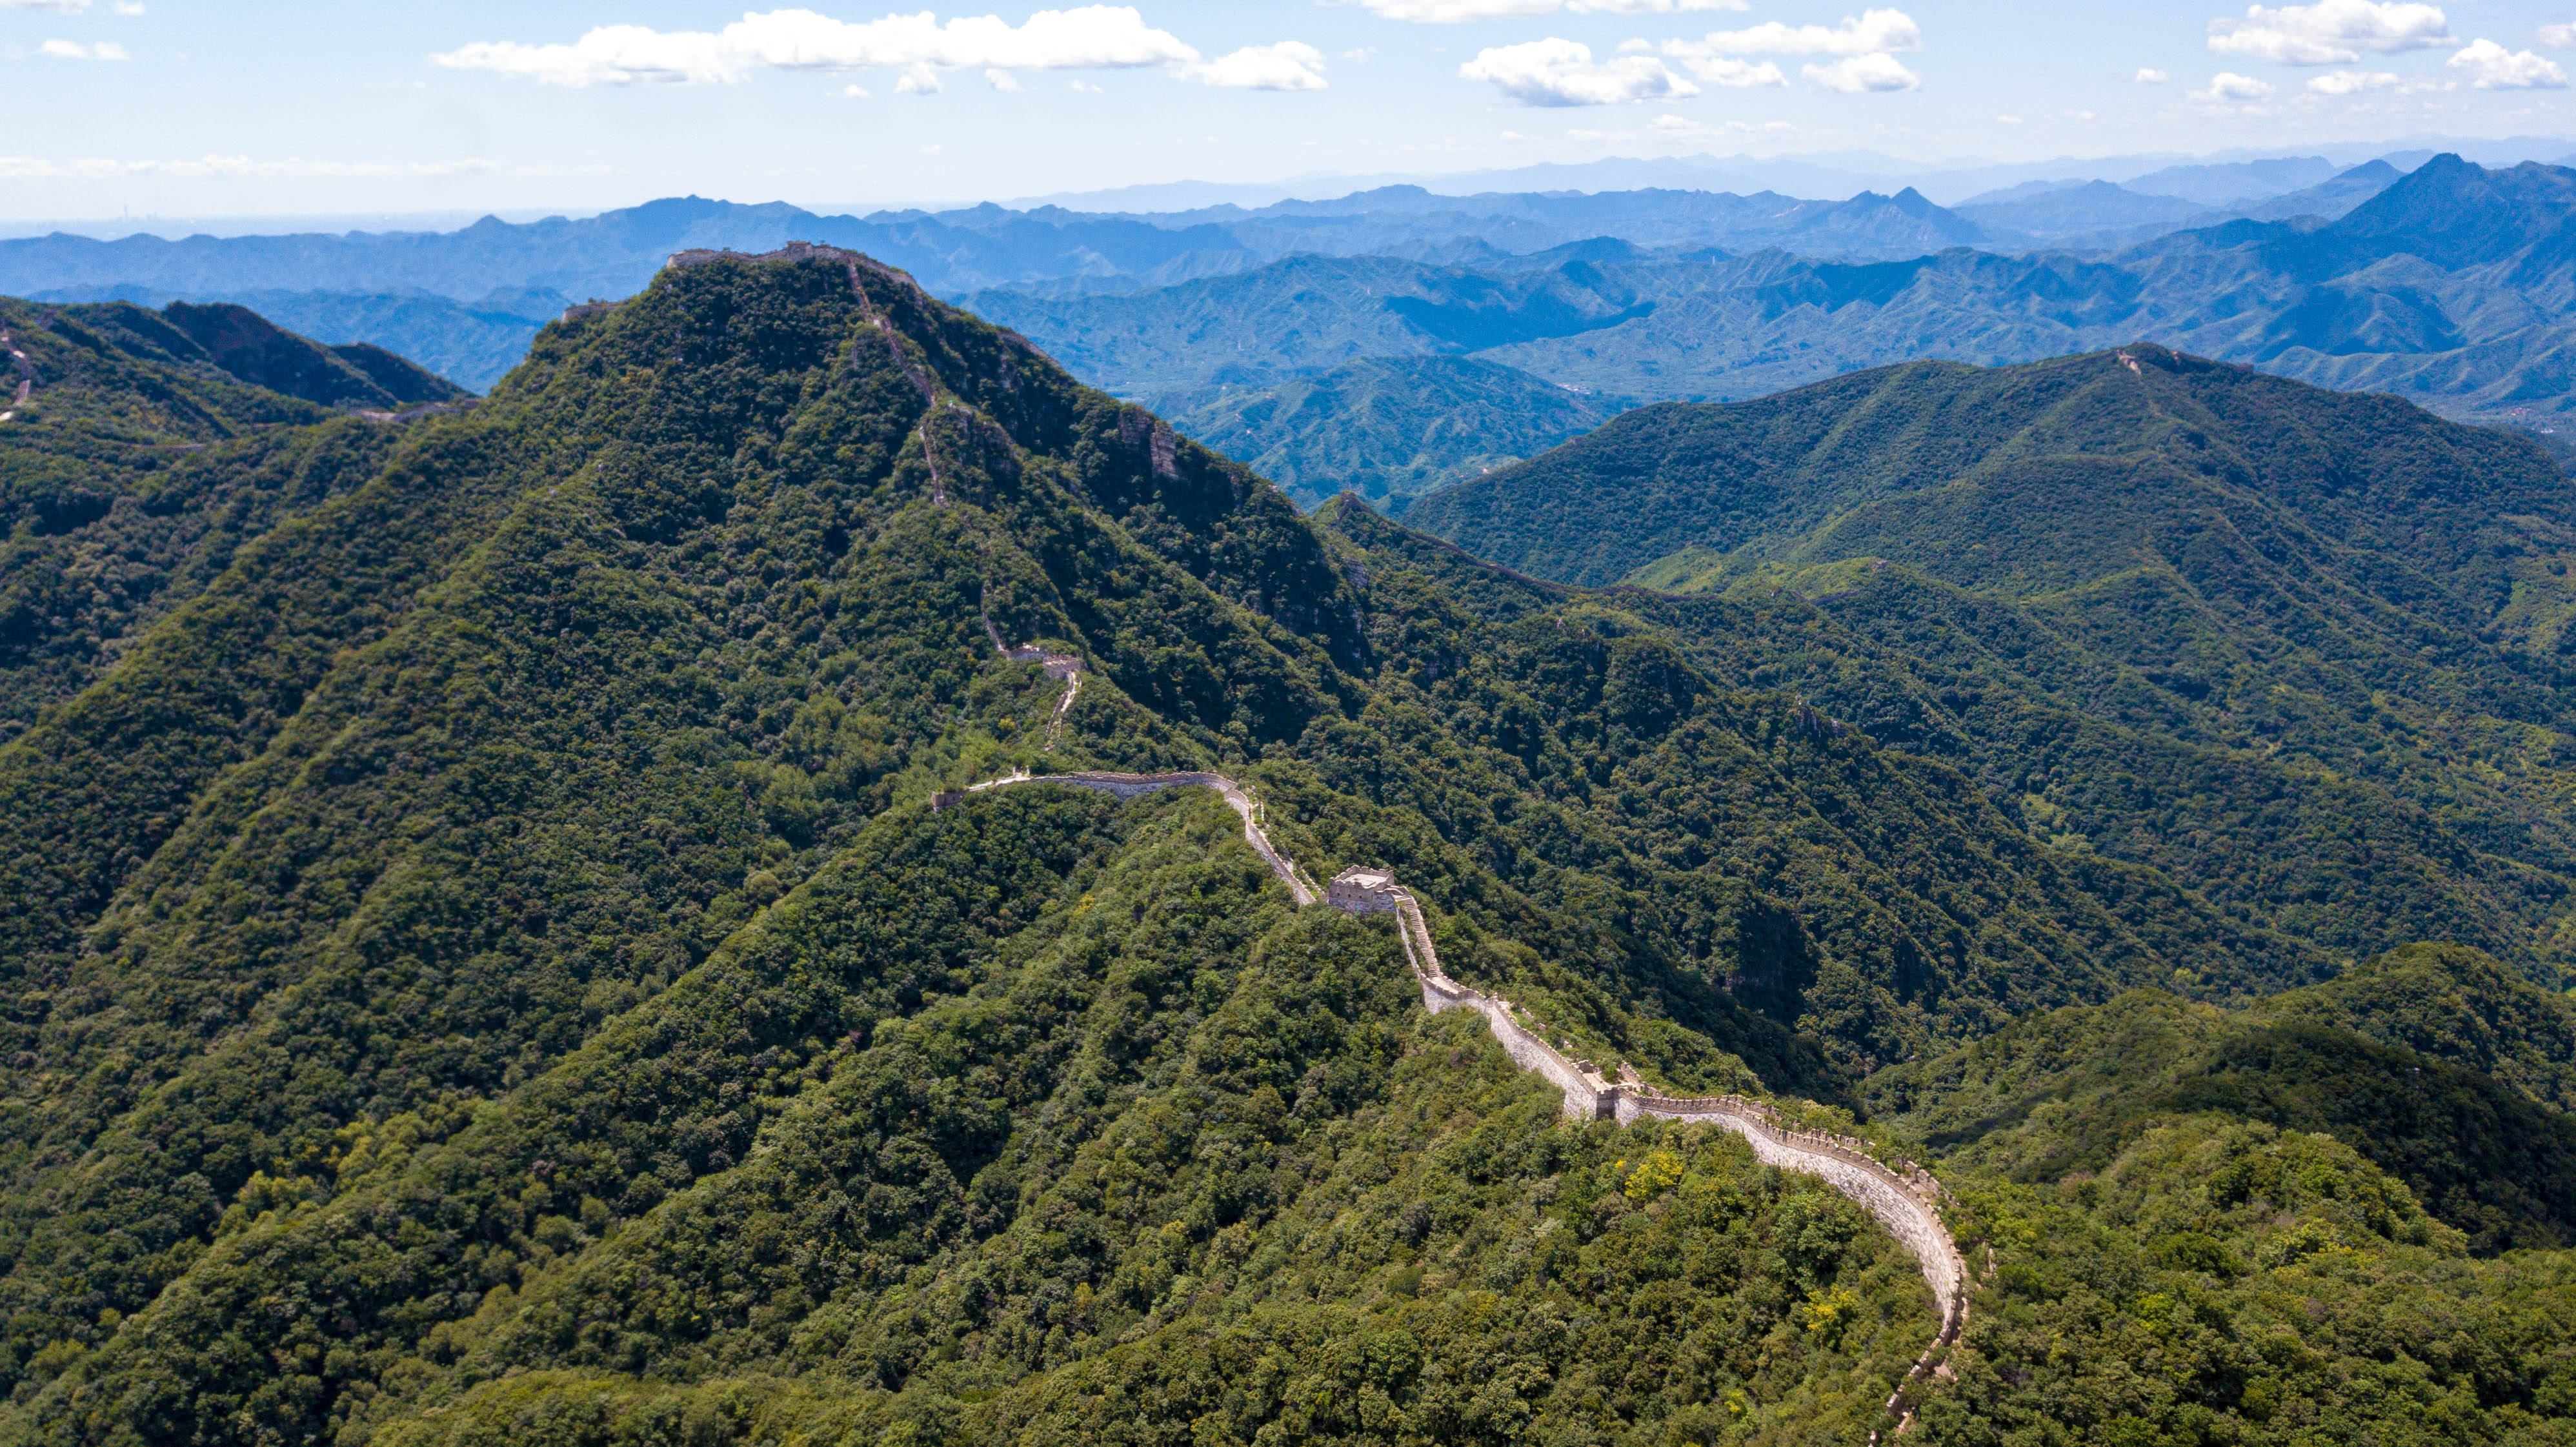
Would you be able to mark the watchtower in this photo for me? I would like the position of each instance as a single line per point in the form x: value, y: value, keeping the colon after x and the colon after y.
x: 1361, y: 890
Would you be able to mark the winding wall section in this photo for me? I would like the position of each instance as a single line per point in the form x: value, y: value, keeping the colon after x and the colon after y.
x: 1903, y: 1197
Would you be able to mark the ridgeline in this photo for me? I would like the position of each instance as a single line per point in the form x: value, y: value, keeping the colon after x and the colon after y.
x: 483, y: 961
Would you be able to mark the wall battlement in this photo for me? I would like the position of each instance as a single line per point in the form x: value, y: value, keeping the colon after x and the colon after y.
x: 1903, y: 1197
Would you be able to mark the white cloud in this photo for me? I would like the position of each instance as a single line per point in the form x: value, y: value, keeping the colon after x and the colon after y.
x: 2556, y: 37
x: 2354, y: 82
x: 2490, y: 66
x: 2330, y: 32
x: 1086, y: 38
x: 1726, y: 70
x: 1002, y: 80
x: 1856, y: 74
x: 1555, y: 72
x: 1452, y: 12
x: 858, y: 92
x: 2228, y: 85
x: 2009, y: 120
x: 2363, y: 82
x: 1288, y: 65
x: 1872, y: 32
x: 1740, y: 74
x: 918, y: 79
x: 1361, y: 56
x: 74, y: 50
x: 1086, y: 87
x: 1651, y: 7
x: 50, y: 7
x: 2149, y: 75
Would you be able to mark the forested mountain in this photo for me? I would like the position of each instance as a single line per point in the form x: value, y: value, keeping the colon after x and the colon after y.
x: 1392, y: 428
x: 471, y: 343
x: 2228, y: 581
x: 485, y: 964
x: 114, y: 512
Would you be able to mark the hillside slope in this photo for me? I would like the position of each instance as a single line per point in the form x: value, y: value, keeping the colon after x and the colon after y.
x: 499, y: 968
x: 2251, y: 591
x: 140, y: 449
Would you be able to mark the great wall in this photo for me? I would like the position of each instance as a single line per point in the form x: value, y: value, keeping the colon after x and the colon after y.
x: 1903, y: 1197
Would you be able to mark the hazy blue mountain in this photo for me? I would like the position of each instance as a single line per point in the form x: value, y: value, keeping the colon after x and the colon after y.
x: 2451, y: 286
x: 1390, y: 428
x: 1309, y: 314
x: 2235, y: 181
x: 2329, y: 198
x: 2051, y: 213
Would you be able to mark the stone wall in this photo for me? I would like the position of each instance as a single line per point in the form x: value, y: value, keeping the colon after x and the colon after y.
x: 1902, y: 1197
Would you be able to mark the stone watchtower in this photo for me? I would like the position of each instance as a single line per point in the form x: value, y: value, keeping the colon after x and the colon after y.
x: 1361, y: 890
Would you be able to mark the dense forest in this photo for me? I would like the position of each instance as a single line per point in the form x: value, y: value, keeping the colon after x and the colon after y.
x: 482, y: 963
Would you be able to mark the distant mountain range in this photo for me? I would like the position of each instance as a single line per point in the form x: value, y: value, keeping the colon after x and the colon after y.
x: 2451, y: 285
x: 467, y: 302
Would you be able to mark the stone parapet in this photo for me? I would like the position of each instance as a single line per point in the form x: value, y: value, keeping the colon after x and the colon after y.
x: 1903, y: 1197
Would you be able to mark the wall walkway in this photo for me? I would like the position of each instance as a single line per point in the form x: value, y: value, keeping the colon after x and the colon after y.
x: 1903, y: 1197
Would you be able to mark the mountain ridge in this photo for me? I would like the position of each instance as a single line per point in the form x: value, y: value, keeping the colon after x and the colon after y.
x: 519, y: 979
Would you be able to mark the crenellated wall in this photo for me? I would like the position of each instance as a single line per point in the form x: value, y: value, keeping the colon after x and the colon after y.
x: 1902, y: 1197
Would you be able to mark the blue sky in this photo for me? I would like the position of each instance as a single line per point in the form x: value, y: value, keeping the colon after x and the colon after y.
x: 186, y: 107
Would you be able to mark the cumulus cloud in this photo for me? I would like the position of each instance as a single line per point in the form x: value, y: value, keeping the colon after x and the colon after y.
x: 1872, y: 31
x: 2489, y: 66
x: 2556, y: 37
x: 1856, y: 74
x: 2330, y: 32
x: 2228, y: 85
x: 49, y: 7
x: 1091, y: 37
x: 2354, y: 82
x: 74, y: 50
x: 1288, y: 65
x: 1554, y: 72
x: 1452, y: 12
x: 1728, y: 71
x: 2149, y: 75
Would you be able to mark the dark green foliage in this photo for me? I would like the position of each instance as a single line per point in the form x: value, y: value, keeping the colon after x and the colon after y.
x: 2298, y: 650
x: 2219, y: 1282
x: 2381, y: 1059
x: 484, y: 966
x: 145, y: 452
x: 2456, y: 1005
